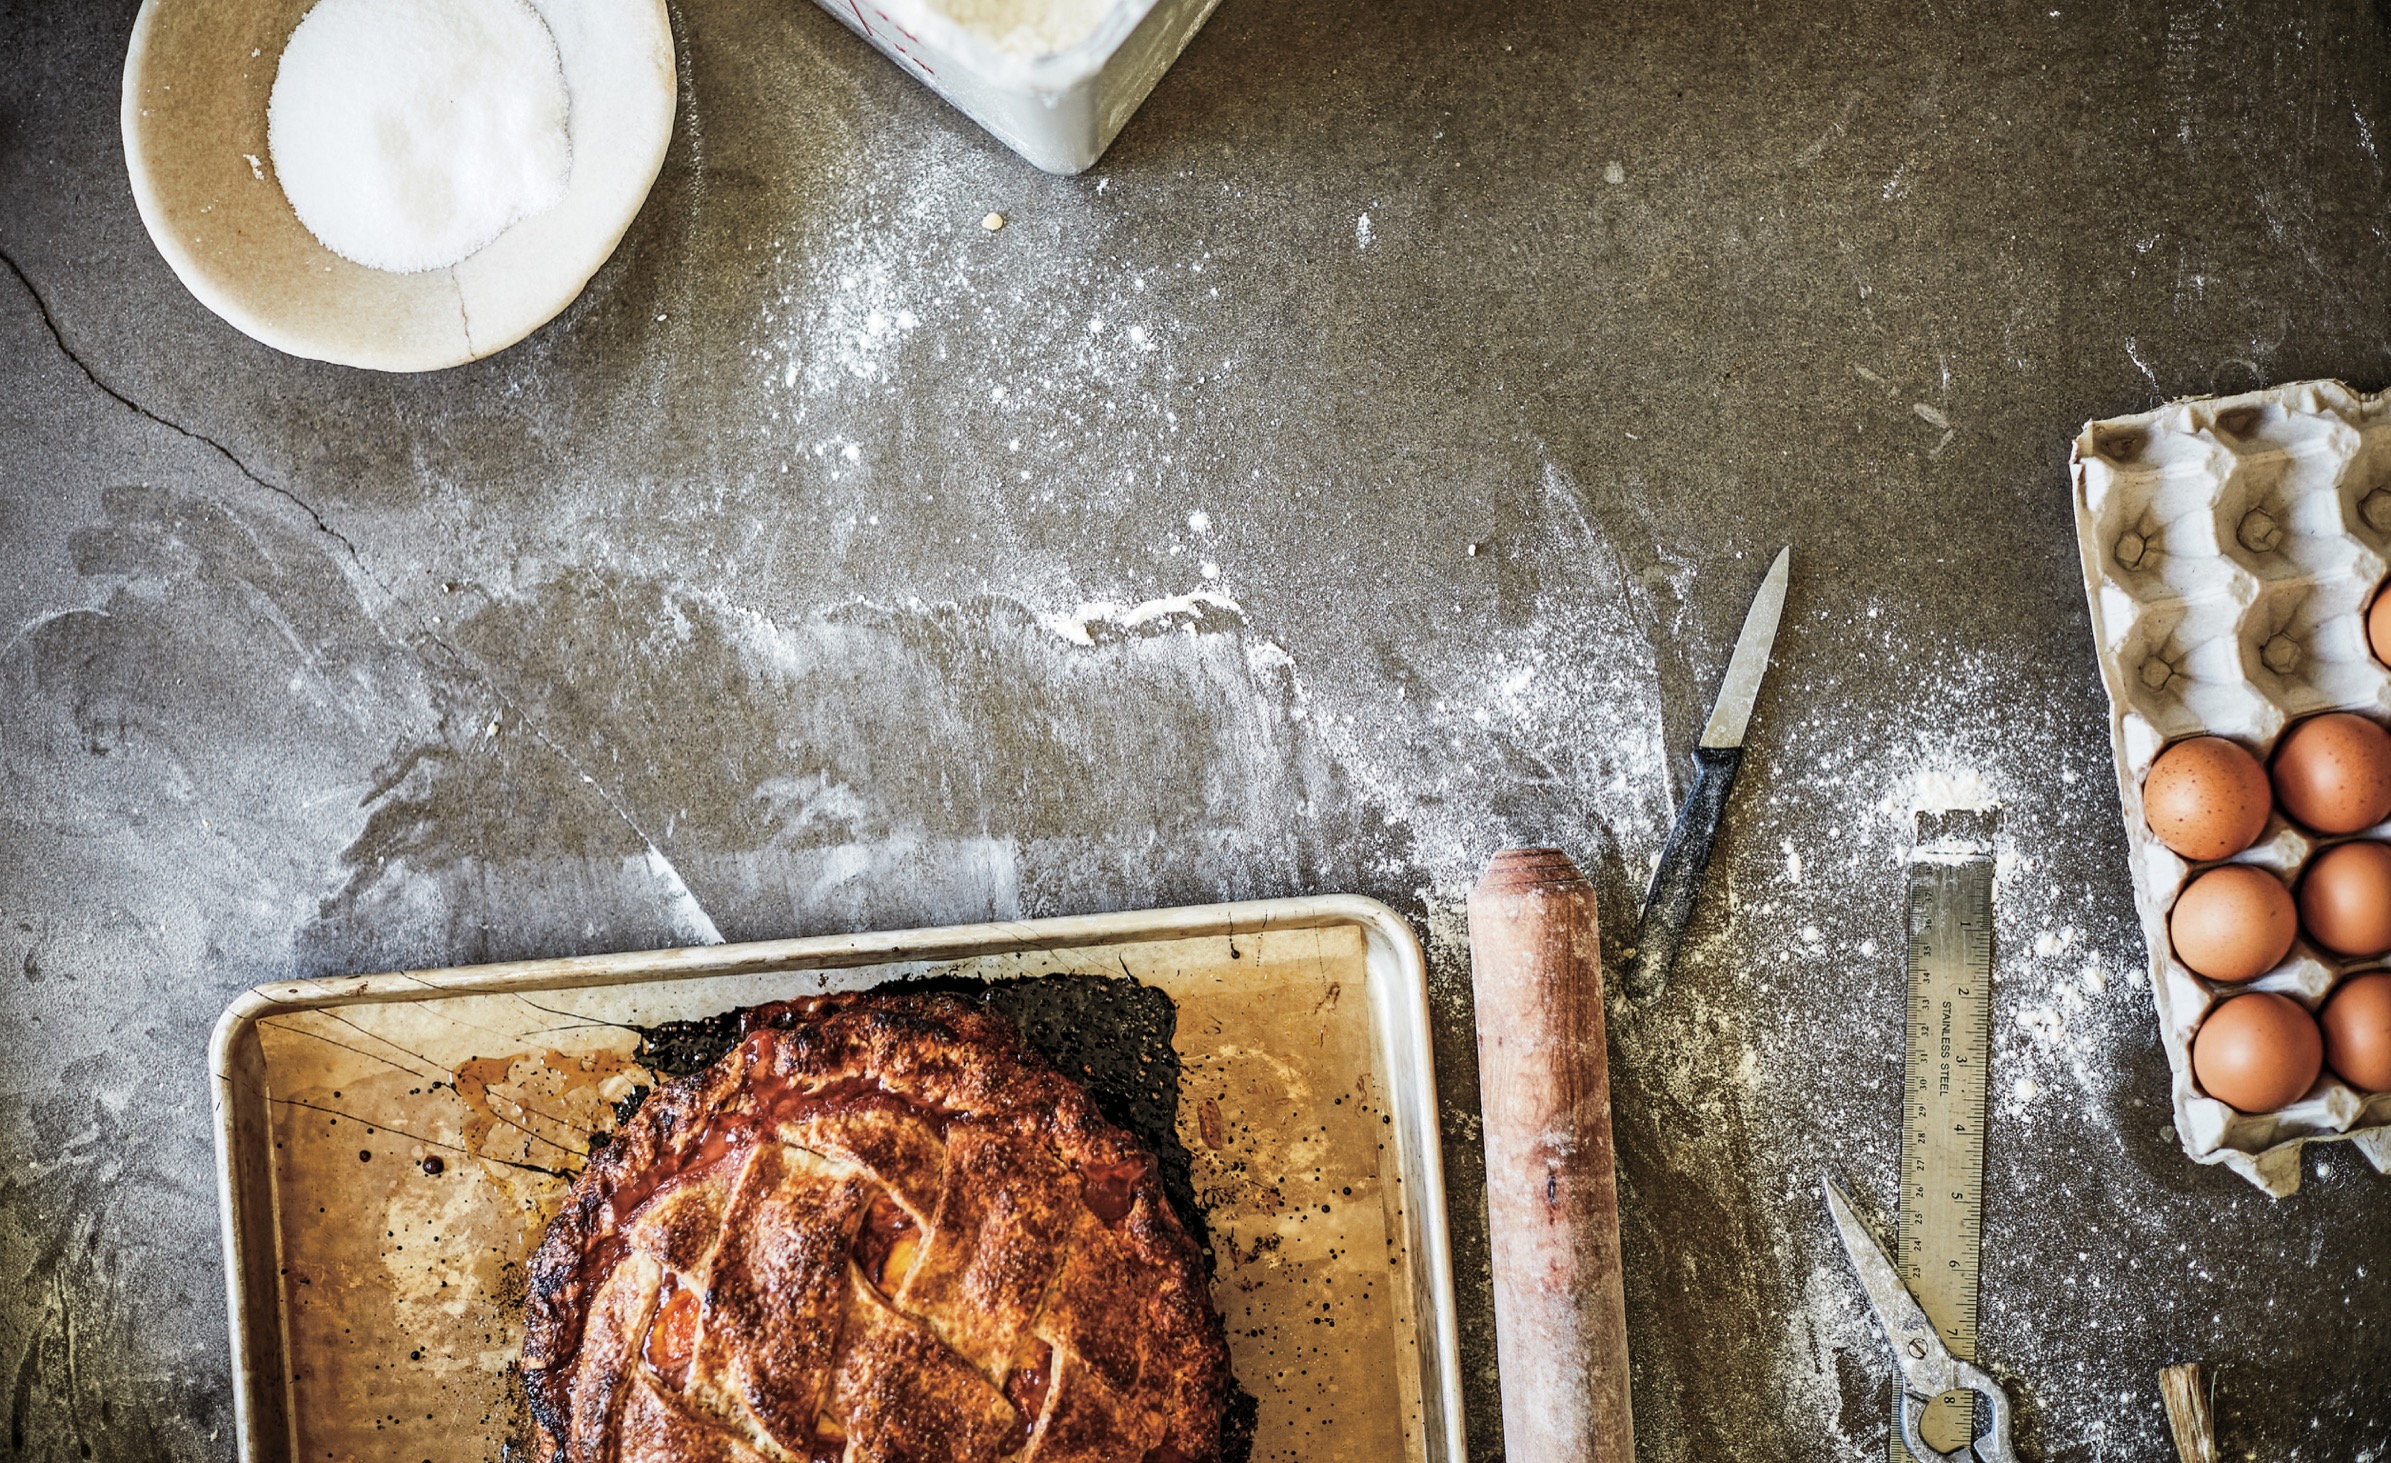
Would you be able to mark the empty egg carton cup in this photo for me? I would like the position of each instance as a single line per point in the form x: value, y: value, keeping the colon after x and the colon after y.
x: 2230, y: 547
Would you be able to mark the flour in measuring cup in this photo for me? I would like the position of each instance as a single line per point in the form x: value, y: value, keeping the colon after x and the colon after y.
x: 1027, y: 27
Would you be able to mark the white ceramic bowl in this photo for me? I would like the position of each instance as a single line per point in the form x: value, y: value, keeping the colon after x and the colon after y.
x: 197, y: 79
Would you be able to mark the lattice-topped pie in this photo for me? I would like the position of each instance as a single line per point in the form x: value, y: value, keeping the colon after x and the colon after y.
x: 880, y: 1230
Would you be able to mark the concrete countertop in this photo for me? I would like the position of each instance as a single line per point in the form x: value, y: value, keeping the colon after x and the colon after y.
x: 1364, y: 467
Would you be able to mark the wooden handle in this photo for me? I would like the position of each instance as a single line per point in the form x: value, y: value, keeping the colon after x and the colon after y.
x: 2188, y: 1413
x: 1552, y: 1197
x: 1669, y: 907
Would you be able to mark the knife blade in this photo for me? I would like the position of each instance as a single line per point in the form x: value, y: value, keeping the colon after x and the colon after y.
x: 1669, y: 903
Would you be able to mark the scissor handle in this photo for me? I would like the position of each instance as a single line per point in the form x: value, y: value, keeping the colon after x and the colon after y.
x: 1992, y: 1447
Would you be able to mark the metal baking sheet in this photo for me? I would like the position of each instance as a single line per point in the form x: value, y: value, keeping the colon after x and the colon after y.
x: 390, y: 1148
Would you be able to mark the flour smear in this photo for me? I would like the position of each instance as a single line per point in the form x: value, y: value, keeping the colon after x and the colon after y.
x: 1393, y: 746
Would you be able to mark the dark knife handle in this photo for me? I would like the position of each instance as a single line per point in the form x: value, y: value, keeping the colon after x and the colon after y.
x: 1669, y: 907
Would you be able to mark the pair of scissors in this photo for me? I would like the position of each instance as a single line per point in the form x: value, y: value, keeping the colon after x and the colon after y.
x: 1928, y: 1369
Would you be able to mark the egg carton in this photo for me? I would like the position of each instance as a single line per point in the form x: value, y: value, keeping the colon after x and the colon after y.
x: 2230, y: 546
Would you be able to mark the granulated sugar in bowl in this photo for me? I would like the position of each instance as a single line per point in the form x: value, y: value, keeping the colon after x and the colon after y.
x: 407, y: 134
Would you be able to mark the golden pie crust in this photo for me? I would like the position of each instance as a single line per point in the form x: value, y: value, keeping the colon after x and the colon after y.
x: 880, y: 1230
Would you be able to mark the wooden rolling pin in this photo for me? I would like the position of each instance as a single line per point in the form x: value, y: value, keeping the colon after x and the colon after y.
x: 1552, y: 1197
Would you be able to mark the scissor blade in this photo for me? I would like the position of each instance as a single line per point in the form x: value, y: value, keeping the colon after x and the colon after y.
x: 1732, y: 712
x: 1927, y: 1366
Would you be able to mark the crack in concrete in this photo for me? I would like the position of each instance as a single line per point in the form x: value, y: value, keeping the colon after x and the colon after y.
x: 678, y: 893
x: 58, y: 338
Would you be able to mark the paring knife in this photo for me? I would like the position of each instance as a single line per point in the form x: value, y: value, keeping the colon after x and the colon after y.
x: 1669, y: 905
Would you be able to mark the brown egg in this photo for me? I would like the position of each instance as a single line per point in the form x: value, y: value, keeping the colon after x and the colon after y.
x: 2233, y: 923
x: 2206, y: 798
x: 2357, y: 1023
x: 2378, y: 626
x: 2257, y: 1052
x: 2345, y: 898
x: 2333, y: 773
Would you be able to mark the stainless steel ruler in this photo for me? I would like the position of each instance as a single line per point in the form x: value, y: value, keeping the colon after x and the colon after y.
x: 1945, y: 1092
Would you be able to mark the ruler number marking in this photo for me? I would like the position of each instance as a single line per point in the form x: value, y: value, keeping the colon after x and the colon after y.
x: 1942, y: 1139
